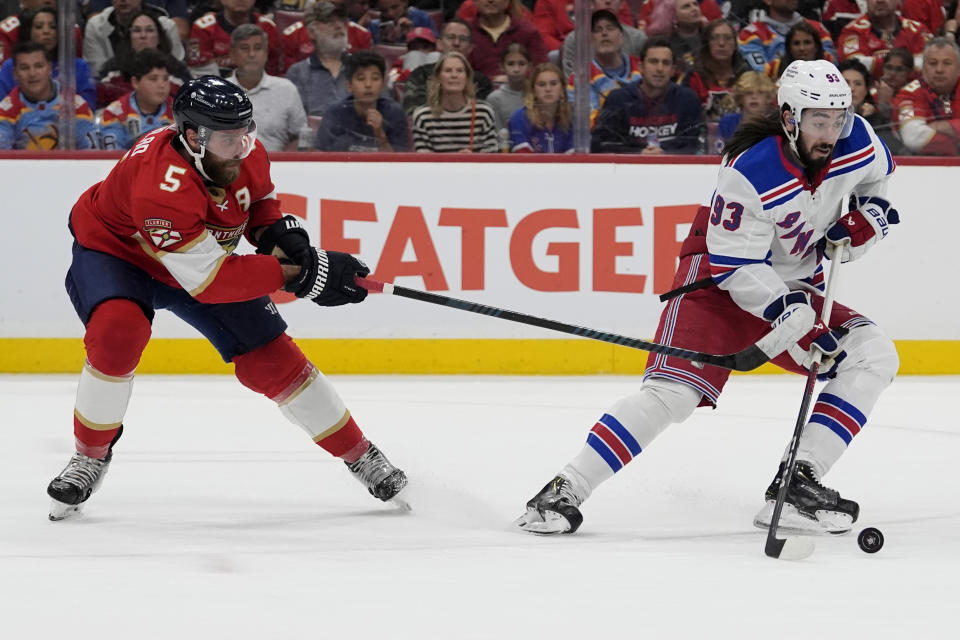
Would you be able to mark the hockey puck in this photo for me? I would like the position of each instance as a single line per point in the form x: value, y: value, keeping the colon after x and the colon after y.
x: 870, y: 540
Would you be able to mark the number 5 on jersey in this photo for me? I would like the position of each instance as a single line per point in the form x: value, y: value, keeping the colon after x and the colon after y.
x: 170, y: 181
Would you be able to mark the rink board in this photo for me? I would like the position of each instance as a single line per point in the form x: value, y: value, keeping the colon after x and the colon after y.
x: 587, y: 241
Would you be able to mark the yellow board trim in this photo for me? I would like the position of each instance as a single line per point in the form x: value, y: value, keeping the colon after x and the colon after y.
x: 540, y: 357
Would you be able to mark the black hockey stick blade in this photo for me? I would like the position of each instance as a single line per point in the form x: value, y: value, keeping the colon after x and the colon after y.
x: 788, y: 548
x: 748, y: 359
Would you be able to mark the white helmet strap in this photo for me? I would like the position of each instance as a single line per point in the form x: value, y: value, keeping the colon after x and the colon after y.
x: 197, y: 157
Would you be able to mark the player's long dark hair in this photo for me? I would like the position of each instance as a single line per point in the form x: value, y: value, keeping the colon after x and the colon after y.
x: 750, y: 133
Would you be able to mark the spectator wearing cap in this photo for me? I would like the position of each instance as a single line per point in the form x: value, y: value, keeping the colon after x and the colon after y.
x: 366, y: 120
x: 320, y: 78
x: 277, y: 108
x: 493, y: 30
x: 397, y: 19
x: 456, y: 35
x: 633, y: 38
x: 297, y: 43
x: 421, y: 50
x: 610, y: 68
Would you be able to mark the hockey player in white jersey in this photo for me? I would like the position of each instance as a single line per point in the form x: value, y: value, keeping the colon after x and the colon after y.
x: 752, y: 258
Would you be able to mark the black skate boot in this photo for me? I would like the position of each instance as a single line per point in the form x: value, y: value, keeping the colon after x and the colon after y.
x: 76, y: 483
x: 382, y: 479
x: 554, y: 509
x: 809, y: 506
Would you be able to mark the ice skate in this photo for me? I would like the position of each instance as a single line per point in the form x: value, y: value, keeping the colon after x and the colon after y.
x: 379, y: 476
x: 809, y: 508
x: 75, y: 484
x: 554, y: 509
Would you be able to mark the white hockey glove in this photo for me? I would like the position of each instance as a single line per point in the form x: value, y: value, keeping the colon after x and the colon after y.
x: 858, y: 231
x: 812, y: 336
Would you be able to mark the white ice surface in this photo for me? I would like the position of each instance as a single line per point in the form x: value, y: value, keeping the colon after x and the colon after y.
x: 220, y: 520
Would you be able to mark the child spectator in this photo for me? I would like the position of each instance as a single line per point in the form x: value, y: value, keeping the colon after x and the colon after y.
x: 515, y: 63
x: 148, y: 107
x: 106, y: 30
x: 453, y: 120
x: 365, y: 120
x: 754, y: 95
x: 715, y: 69
x: 802, y: 42
x: 277, y: 109
x: 543, y: 124
x: 40, y: 26
x: 145, y: 32
x: 30, y: 113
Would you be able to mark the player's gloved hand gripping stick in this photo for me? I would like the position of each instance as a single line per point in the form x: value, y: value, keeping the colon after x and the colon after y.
x: 799, y: 548
x: 771, y: 345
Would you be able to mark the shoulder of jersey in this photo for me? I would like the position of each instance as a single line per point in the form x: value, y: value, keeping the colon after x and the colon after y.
x: 293, y: 28
x: 7, y: 103
x: 264, y: 20
x: 912, y: 25
x: 761, y: 166
x: 860, y: 24
x: 911, y: 87
x: 10, y: 24
x: 206, y: 21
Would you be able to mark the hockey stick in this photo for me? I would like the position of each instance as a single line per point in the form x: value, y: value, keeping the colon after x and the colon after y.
x: 799, y: 548
x: 748, y: 359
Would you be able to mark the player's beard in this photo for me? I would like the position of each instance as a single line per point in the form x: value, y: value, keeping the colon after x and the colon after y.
x: 221, y: 172
x: 812, y: 164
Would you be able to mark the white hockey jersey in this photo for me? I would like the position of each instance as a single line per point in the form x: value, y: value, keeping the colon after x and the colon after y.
x: 766, y: 218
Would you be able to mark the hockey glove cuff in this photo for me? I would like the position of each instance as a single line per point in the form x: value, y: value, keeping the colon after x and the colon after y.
x: 287, y: 235
x: 861, y: 229
x: 326, y: 277
x: 812, y: 336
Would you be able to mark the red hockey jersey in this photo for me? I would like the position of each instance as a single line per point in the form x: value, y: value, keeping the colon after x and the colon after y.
x: 859, y: 38
x: 297, y: 44
x: 10, y: 32
x: 155, y: 211
x: 917, y: 101
x: 210, y: 42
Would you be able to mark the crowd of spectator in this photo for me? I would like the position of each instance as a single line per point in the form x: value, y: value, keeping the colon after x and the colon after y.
x: 440, y: 76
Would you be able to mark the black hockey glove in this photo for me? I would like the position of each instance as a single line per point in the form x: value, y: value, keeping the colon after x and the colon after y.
x: 288, y: 235
x: 326, y: 277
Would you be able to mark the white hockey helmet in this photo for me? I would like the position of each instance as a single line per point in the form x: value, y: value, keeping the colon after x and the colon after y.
x: 814, y: 84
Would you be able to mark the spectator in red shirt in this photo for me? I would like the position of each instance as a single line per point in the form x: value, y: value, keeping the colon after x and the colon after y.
x: 209, y: 47
x: 872, y: 35
x: 493, y: 30
x: 923, y: 109
x: 929, y: 13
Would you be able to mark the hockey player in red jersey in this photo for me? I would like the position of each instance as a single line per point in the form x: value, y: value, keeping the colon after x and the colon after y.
x: 752, y: 260
x: 159, y: 233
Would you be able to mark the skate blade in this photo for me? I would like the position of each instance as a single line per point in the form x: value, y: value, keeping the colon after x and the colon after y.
x: 545, y: 524
x: 401, y: 505
x: 62, y: 511
x: 792, y: 522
